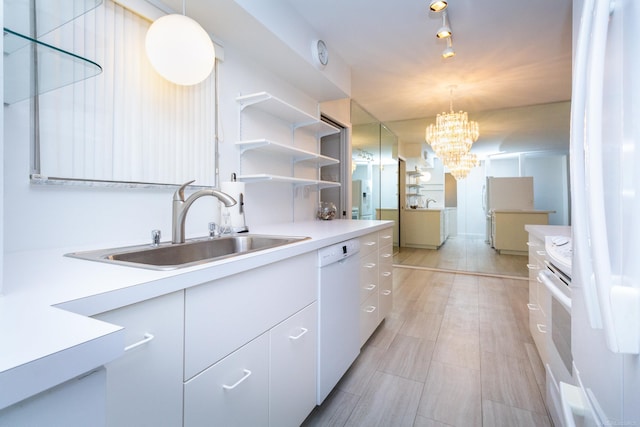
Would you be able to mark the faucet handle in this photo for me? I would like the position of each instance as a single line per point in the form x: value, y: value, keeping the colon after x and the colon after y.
x: 214, y: 229
x: 179, y: 194
x: 156, y: 235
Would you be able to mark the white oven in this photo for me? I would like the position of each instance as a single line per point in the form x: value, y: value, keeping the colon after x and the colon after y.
x: 556, y: 278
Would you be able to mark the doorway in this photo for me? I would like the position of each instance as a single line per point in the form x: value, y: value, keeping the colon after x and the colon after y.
x: 336, y: 146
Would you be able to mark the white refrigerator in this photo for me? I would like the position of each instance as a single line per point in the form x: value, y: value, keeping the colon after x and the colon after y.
x: 605, y: 188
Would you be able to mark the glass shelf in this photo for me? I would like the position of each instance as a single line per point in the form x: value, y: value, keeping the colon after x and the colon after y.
x: 49, y: 15
x: 56, y: 68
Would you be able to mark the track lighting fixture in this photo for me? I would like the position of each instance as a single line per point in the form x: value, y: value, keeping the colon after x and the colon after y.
x: 437, y: 5
x: 448, y: 52
x: 445, y: 30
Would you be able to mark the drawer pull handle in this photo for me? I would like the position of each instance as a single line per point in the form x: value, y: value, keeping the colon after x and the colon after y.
x: 531, y: 244
x: 387, y: 292
x: 147, y: 337
x: 370, y: 243
x: 541, y: 328
x: 370, y: 287
x: 247, y: 374
x: 297, y: 337
x: 370, y: 265
x: 532, y: 307
x: 386, y: 236
x: 386, y: 274
x: 386, y: 255
x: 532, y: 266
x: 370, y: 309
x: 541, y: 253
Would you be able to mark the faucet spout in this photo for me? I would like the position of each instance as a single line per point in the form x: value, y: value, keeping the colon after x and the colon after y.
x: 181, y: 207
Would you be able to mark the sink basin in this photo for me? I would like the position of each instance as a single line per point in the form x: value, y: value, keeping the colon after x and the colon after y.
x: 169, y: 256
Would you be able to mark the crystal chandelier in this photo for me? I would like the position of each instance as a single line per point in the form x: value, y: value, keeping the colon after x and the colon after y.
x: 451, y: 138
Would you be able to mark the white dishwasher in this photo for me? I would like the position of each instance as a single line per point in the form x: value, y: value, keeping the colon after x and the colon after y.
x: 338, y: 313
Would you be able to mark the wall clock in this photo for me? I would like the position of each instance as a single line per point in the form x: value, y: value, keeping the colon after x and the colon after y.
x: 320, y: 53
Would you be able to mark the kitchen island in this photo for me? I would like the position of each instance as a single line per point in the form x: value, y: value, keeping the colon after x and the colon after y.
x: 508, y: 234
x: 55, y: 320
x: 426, y: 228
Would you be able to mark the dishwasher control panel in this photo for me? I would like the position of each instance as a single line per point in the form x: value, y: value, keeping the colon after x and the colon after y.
x: 335, y: 253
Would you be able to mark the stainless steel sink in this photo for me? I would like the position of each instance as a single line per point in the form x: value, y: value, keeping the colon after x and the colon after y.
x: 169, y: 256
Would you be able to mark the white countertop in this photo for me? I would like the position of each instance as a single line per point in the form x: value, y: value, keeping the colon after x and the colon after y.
x: 522, y: 211
x: 45, y: 335
x: 541, y: 231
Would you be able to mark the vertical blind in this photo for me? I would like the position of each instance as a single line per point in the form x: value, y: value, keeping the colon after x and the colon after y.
x: 127, y: 124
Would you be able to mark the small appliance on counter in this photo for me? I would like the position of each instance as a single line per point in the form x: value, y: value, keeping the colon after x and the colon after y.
x: 236, y: 212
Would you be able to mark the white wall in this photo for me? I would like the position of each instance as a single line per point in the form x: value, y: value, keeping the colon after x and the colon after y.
x: 80, y: 217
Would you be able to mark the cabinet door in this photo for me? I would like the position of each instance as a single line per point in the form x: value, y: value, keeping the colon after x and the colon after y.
x: 368, y: 318
x: 144, y: 386
x: 385, y: 281
x: 537, y: 318
x: 225, y: 314
x: 233, y: 392
x: 77, y: 402
x: 292, y: 387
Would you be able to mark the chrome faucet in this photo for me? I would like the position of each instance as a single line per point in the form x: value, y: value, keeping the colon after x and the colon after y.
x: 181, y: 207
x: 429, y: 201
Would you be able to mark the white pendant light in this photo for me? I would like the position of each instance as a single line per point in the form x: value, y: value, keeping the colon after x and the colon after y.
x: 180, y: 50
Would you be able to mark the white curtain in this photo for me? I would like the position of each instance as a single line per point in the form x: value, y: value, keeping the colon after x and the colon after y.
x: 127, y: 124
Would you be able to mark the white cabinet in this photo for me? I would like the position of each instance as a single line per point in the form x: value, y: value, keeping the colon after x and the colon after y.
x: 77, y: 402
x: 144, y: 386
x: 280, y: 115
x: 376, y: 280
x: 292, y: 385
x: 537, y: 296
x: 251, y: 345
x: 385, y: 273
x: 234, y: 391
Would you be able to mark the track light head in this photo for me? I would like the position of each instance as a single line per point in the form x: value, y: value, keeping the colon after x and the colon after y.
x: 437, y: 5
x: 448, y: 52
x: 445, y: 30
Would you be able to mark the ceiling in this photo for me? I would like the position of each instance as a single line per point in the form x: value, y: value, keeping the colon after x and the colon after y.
x: 511, y: 72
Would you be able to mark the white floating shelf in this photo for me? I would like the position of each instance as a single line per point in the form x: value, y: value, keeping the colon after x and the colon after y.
x: 270, y: 104
x: 299, y: 182
x: 298, y: 155
x: 275, y: 106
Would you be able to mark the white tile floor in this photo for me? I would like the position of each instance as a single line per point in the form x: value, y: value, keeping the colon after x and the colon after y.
x: 455, y: 351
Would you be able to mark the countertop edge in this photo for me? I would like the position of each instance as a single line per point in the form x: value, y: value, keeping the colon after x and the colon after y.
x: 55, y: 361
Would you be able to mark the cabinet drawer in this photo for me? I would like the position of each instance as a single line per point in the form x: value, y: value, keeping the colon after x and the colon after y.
x: 234, y: 391
x: 292, y: 388
x: 385, y: 237
x: 368, y: 243
x: 368, y: 318
x: 368, y: 275
x: 225, y: 314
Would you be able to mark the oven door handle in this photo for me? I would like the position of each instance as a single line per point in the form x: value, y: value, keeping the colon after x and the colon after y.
x: 547, y: 281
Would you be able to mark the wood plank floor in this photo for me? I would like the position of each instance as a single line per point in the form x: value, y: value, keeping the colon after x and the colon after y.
x: 455, y: 351
x: 464, y: 254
